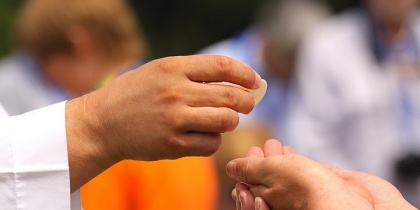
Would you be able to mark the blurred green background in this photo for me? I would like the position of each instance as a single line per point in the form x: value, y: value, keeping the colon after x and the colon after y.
x: 175, y: 27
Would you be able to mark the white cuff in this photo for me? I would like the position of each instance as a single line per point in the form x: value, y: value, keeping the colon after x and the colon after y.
x: 34, y: 171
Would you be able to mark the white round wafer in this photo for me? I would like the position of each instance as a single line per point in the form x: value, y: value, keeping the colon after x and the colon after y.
x: 260, y: 92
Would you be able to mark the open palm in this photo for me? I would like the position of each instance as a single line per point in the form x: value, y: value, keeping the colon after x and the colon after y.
x: 383, y: 194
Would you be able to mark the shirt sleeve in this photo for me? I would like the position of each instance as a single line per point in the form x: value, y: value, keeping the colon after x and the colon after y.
x: 34, y: 171
x: 3, y: 113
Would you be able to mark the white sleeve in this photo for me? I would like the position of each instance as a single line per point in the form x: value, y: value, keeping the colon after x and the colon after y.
x: 3, y: 113
x: 34, y: 171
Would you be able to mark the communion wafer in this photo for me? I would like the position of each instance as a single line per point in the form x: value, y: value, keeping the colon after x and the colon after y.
x: 258, y: 93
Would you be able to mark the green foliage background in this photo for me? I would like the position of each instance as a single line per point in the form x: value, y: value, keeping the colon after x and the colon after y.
x: 7, y: 12
x: 175, y: 27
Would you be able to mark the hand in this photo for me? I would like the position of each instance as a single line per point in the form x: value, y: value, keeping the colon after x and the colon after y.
x: 241, y: 194
x: 290, y: 181
x: 162, y: 110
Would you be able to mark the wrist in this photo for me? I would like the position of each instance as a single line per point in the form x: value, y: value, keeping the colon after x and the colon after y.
x: 406, y: 206
x: 327, y: 192
x: 87, y: 151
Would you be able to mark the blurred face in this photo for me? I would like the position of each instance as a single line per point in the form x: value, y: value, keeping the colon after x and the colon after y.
x: 279, y: 64
x: 76, y: 75
x: 391, y: 11
x: 82, y: 69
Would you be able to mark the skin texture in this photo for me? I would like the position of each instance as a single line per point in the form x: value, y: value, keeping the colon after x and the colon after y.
x: 162, y: 110
x: 277, y: 178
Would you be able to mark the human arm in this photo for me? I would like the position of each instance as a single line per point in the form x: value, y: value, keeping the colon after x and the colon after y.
x: 162, y: 110
x: 290, y: 181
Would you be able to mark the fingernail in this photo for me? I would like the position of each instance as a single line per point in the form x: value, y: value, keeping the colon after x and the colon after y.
x: 241, y: 198
x: 258, y: 203
x: 257, y: 82
x: 231, y: 169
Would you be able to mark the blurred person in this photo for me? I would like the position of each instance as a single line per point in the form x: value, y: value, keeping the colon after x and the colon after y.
x: 66, y: 49
x: 359, y: 87
x: 269, y: 46
x: 66, y: 52
x: 277, y: 177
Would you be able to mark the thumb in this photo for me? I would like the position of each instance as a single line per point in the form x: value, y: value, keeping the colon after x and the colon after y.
x: 247, y: 170
x: 344, y: 174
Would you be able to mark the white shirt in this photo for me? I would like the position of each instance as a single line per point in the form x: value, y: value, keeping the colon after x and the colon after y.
x: 3, y: 113
x: 347, y: 112
x: 34, y: 171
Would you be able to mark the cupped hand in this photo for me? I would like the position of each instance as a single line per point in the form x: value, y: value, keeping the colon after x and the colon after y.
x: 383, y: 195
x: 289, y: 181
x: 245, y: 200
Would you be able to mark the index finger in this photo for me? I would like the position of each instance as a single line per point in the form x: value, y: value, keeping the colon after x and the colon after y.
x: 248, y: 170
x: 255, y: 152
x: 217, y: 68
x: 245, y: 197
x: 273, y: 147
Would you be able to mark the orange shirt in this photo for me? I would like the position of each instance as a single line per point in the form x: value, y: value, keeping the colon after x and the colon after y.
x: 188, y: 183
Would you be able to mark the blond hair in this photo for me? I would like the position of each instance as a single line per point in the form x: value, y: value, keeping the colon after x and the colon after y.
x: 42, y: 27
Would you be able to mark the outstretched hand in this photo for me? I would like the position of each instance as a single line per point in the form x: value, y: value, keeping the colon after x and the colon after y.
x: 278, y: 178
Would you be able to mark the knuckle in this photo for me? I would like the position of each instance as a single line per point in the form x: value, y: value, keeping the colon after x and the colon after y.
x: 249, y: 104
x: 167, y: 65
x: 224, y: 65
x: 170, y: 94
x: 231, y: 99
x: 175, y: 144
